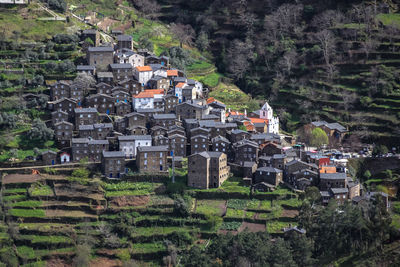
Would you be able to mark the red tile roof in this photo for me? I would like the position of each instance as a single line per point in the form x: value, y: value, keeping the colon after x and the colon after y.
x: 172, y: 72
x: 144, y: 68
x: 258, y: 120
x: 149, y: 93
x: 212, y: 100
x: 180, y: 85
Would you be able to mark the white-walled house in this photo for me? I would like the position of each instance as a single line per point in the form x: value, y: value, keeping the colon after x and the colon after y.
x: 145, y: 99
x: 266, y: 112
x: 128, y: 56
x: 129, y: 144
x: 143, y: 74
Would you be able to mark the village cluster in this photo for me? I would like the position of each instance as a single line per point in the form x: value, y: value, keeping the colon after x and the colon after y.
x: 143, y: 110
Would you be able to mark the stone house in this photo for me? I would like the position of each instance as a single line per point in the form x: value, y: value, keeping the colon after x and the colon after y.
x: 176, y: 129
x: 92, y: 34
x: 49, y: 157
x: 145, y: 99
x: 137, y: 130
x: 66, y: 105
x: 102, y: 130
x: 121, y: 71
x: 207, y: 169
x: 103, y: 103
x: 101, y: 57
x: 158, y: 131
x: 237, y: 135
x: 152, y: 158
x: 86, y: 131
x: 103, y: 88
x: 149, y: 112
x: 199, y: 143
x: 296, y: 165
x: 159, y: 103
x: 164, y: 120
x: 123, y: 108
x: 270, y: 149
x: 88, y: 69
x: 124, y: 41
x: 135, y: 119
x: 105, y: 77
x: 200, y: 131
x: 59, y: 116
x: 220, y: 144
x: 113, y: 163
x: 63, y: 133
x: 332, y: 180
x: 245, y: 150
x: 85, y: 116
x: 158, y: 82
x: 59, y: 90
x: 303, y: 178
x: 160, y: 140
x: 189, y: 110
x: 268, y: 175
x: 170, y: 103
x: 96, y: 147
x: 177, y: 143
x: 77, y: 93
x: 121, y: 95
x: 129, y: 144
x: 339, y: 194
x: 128, y: 56
x: 334, y: 131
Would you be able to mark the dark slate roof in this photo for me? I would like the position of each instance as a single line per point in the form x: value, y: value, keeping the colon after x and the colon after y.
x: 340, y: 190
x: 101, y: 49
x: 279, y: 156
x: 266, y: 158
x: 79, y: 140
x: 296, y: 161
x: 191, y: 121
x: 209, y: 154
x: 249, y: 164
x: 124, y: 37
x: 336, y: 126
x: 153, y: 148
x: 269, y: 169
x: 104, y: 74
x: 219, y: 139
x: 201, y: 129
x: 85, y: 110
x: 86, y: 127
x: 318, y: 123
x: 103, y: 125
x: 98, y: 142
x: 238, y: 131
x: 134, y: 137
x: 210, y: 116
x: 149, y: 110
x: 306, y: 170
x: 113, y: 154
x: 180, y: 79
x: 63, y: 122
x: 85, y: 67
x: 49, y: 151
x: 121, y: 66
x: 133, y: 114
x: 259, y: 136
x: 176, y: 135
x: 246, y: 142
x: 169, y: 116
x: 333, y: 176
x: 324, y: 194
x: 158, y: 127
x: 200, y: 136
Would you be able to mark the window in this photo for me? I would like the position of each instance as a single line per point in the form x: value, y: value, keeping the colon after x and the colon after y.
x: 145, y: 162
x: 161, y: 154
x: 145, y: 156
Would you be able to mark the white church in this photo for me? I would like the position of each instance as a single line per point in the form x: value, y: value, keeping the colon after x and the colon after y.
x: 267, y: 113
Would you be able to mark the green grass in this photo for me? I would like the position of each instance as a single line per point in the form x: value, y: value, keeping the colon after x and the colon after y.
x: 130, y: 186
x: 239, y: 204
x: 209, y: 207
x: 232, y: 226
x: 293, y: 202
x: 250, y: 214
x: 13, y: 198
x: 276, y: 226
x: 148, y: 247
x: 149, y: 231
x: 15, y: 191
x: 233, y: 213
x: 127, y: 193
x: 253, y: 204
x: 26, y: 252
x: 231, y: 95
x: 390, y: 19
x: 38, y: 213
x: 40, y: 190
x: 200, y: 65
x: 52, y: 239
x: 27, y: 204
x: 44, y: 227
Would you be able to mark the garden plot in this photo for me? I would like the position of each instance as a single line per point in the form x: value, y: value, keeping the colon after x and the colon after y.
x: 77, y: 214
x: 45, y: 228
x: 211, y: 207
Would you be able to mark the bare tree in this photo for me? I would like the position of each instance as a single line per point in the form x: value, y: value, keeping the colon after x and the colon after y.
x: 328, y: 19
x: 348, y: 100
x: 391, y: 31
x: 184, y: 33
x: 288, y: 60
x: 150, y: 8
x: 368, y: 46
x: 327, y: 42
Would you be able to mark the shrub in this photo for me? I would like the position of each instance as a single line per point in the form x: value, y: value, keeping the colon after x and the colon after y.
x: 232, y: 226
x: 239, y: 204
x: 124, y: 254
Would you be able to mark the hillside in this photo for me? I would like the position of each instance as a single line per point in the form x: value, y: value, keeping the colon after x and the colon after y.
x: 335, y: 61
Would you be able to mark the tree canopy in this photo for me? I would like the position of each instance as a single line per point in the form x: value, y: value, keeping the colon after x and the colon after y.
x: 319, y: 137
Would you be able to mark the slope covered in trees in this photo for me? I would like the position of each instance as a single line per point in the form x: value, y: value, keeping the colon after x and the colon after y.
x: 332, y: 60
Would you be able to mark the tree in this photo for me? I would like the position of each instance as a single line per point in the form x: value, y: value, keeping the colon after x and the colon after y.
x: 181, y: 208
x: 319, y: 137
x: 149, y: 8
x: 367, y: 175
x: 202, y: 41
x: 82, y: 256
x: 380, y: 150
x: 57, y: 5
x: 184, y: 33
x: 145, y: 43
x: 84, y: 80
x: 288, y: 60
x: 40, y: 132
x: 179, y: 57
x: 327, y: 43
x: 312, y: 194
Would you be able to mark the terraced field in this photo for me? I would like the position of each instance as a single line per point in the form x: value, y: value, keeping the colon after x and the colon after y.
x: 45, y: 222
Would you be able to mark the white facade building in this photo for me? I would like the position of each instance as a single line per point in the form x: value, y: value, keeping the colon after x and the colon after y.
x: 266, y: 112
x: 143, y: 74
x: 129, y: 144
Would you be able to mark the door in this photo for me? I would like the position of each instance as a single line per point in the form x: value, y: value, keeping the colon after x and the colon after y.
x: 161, y: 168
x: 110, y: 175
x: 52, y: 162
x: 118, y: 175
x: 108, y: 112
